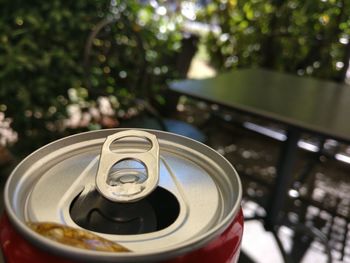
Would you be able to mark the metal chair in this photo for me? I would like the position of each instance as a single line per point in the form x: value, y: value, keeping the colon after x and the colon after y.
x: 152, y: 118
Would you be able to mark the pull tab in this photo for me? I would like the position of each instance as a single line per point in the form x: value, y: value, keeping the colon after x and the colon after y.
x: 128, y: 189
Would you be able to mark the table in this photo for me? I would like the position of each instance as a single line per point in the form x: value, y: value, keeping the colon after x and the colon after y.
x: 302, y: 104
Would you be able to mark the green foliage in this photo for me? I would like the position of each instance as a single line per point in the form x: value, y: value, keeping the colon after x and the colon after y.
x: 40, y: 53
x: 144, y: 43
x: 41, y: 61
x: 303, y: 37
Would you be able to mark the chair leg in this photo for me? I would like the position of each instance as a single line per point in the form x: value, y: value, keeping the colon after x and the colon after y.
x: 310, y: 165
x: 313, y: 232
x: 284, y: 255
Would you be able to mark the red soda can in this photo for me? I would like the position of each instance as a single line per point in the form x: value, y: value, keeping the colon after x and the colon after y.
x: 122, y: 196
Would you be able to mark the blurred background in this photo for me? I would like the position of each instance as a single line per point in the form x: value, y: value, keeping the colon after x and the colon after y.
x: 68, y: 67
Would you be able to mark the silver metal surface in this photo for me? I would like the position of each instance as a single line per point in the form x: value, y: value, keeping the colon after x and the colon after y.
x: 207, y: 187
x: 128, y: 185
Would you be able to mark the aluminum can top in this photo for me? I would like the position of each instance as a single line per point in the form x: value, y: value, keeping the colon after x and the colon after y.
x: 186, y: 192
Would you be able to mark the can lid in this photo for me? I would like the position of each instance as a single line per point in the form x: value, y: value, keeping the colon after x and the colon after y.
x: 128, y: 186
x: 196, y: 197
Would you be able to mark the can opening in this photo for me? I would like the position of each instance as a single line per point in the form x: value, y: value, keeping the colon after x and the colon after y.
x: 92, y: 211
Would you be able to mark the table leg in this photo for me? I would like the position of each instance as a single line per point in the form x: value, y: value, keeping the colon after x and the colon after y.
x: 283, y: 180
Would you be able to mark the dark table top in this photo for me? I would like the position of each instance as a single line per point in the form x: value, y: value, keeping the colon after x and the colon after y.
x: 310, y: 104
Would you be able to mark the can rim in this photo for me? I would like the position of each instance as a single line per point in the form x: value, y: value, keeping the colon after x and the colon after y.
x: 76, y: 253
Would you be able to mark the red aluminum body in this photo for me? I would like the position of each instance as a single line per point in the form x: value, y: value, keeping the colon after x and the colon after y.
x: 224, y: 249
